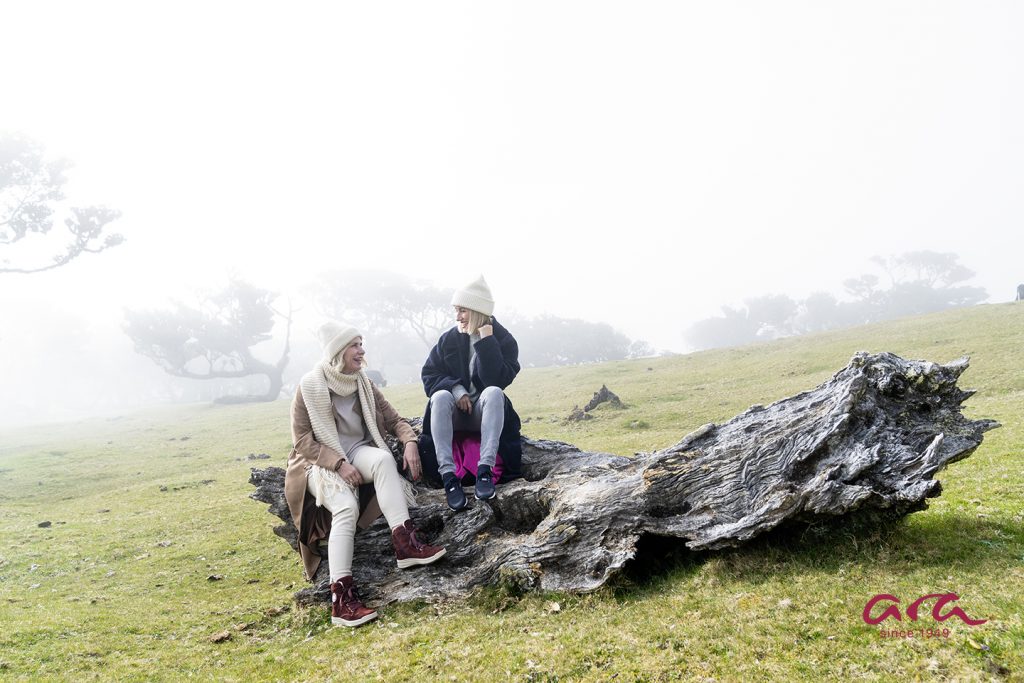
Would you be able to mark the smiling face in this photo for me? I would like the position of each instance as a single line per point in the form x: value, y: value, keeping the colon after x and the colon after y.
x: 469, y: 320
x: 462, y: 318
x: 352, y: 357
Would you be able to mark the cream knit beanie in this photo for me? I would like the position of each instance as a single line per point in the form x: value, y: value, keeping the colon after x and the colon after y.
x: 476, y: 296
x: 335, y: 336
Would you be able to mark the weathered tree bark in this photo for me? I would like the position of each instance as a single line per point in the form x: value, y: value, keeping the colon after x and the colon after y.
x: 869, y: 440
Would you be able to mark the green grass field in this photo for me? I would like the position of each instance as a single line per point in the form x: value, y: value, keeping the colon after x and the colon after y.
x: 156, y: 565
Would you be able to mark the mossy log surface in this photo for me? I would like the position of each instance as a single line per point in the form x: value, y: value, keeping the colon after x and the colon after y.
x: 867, y: 441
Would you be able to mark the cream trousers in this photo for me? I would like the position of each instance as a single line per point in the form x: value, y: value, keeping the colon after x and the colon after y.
x: 374, y: 465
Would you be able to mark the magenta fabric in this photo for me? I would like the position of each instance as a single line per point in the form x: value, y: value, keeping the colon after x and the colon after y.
x: 466, y: 454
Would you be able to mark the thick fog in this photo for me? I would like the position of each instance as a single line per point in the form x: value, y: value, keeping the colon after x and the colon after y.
x: 640, y: 165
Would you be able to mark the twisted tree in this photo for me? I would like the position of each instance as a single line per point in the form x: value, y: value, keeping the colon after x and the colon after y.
x: 865, y: 443
x: 215, y: 339
x: 31, y: 198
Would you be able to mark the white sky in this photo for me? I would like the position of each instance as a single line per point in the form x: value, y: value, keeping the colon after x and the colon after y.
x: 635, y: 163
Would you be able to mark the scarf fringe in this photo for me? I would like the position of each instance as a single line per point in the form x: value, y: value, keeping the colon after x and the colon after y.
x: 326, y: 482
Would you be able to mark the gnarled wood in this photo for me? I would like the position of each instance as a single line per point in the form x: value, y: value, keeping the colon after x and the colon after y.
x: 870, y: 439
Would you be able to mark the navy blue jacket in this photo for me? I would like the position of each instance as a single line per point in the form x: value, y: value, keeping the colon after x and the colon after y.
x: 497, y: 364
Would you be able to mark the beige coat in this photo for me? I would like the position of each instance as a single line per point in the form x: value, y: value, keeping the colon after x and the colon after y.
x: 313, y: 523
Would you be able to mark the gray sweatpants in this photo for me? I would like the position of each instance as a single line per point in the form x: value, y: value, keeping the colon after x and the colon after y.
x: 488, y: 418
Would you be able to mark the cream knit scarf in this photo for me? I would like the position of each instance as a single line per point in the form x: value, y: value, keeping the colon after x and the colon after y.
x: 316, y: 386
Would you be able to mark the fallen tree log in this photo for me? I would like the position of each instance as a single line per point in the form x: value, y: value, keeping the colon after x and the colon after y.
x: 868, y: 440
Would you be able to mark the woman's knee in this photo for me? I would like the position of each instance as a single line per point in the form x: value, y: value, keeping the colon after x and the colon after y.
x: 442, y: 398
x: 345, y: 517
x: 492, y: 393
x: 378, y: 459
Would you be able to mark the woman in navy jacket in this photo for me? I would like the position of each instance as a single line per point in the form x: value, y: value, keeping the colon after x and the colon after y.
x: 464, y: 377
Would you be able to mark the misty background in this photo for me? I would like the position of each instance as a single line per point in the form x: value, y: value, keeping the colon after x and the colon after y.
x: 631, y: 180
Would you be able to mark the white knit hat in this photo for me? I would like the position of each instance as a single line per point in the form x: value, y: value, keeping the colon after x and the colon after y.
x: 476, y: 296
x: 335, y: 336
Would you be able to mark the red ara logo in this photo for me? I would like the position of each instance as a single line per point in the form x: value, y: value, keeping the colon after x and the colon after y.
x: 894, y: 611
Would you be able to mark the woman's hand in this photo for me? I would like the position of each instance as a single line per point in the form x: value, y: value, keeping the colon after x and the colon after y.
x: 485, y: 331
x: 411, y: 461
x: 350, y: 475
x: 465, y: 405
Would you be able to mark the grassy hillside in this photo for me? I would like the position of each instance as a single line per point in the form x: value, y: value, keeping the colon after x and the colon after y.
x: 153, y: 551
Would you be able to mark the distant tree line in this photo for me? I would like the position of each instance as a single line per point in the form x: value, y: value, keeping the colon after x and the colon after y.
x: 403, y: 318
x: 216, y: 338
x: 916, y: 282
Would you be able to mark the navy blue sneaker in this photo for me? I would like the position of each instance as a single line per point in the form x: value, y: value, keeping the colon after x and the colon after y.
x: 453, y: 492
x: 484, y: 483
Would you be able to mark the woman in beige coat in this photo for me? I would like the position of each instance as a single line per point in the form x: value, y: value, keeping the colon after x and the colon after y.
x: 338, y: 419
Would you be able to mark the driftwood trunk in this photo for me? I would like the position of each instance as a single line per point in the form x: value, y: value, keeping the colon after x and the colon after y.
x: 869, y: 440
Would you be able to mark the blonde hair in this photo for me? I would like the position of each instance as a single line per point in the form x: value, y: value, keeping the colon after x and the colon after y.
x: 476, y: 321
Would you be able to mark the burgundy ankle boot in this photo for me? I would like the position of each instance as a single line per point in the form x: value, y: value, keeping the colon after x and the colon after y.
x: 409, y: 550
x: 346, y: 607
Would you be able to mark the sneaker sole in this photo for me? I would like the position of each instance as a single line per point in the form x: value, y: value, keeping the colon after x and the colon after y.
x: 338, y: 621
x: 414, y: 561
x: 490, y: 497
